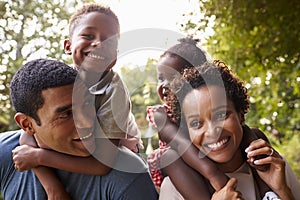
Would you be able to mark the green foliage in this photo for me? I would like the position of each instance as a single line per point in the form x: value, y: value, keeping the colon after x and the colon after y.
x: 142, y: 85
x: 28, y: 29
x: 260, y: 40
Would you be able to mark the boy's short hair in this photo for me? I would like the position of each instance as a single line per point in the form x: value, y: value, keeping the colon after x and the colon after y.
x: 88, y: 8
x: 32, y: 78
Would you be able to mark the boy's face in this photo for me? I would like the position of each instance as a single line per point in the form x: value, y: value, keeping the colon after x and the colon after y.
x: 213, y: 123
x: 94, y: 42
x: 58, y: 118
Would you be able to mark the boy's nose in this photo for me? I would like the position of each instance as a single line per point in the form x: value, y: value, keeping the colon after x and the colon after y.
x: 97, y: 43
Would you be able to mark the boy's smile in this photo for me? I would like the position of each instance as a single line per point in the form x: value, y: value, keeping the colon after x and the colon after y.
x: 93, y: 44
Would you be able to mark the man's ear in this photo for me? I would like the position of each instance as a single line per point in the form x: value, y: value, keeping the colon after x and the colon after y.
x: 25, y: 122
x: 67, y: 47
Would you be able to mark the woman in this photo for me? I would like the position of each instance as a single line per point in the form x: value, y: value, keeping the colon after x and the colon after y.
x: 214, y: 102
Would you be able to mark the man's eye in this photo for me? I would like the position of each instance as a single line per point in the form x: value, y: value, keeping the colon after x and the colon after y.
x: 65, y: 115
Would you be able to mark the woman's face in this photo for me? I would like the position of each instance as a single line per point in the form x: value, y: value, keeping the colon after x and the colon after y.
x: 168, y: 67
x: 214, y: 125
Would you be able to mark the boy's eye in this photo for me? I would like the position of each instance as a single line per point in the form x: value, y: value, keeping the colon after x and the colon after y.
x: 88, y: 36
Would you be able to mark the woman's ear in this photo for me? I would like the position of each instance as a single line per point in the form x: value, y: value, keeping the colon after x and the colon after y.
x: 25, y: 122
x: 242, y: 118
x: 67, y: 47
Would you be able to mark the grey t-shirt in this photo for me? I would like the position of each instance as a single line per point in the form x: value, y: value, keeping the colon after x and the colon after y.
x: 115, y: 185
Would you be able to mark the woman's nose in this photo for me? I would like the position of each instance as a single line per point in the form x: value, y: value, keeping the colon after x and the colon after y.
x: 213, y: 130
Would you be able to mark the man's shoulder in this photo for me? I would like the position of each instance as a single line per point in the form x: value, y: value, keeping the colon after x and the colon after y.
x: 8, y: 141
x: 10, y: 138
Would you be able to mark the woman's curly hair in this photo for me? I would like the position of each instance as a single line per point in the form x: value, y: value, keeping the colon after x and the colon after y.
x: 210, y: 73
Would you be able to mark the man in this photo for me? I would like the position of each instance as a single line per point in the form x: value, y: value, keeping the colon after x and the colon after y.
x: 41, y: 93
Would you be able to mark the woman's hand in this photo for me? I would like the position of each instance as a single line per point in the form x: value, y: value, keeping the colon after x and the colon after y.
x: 228, y: 192
x: 274, y: 175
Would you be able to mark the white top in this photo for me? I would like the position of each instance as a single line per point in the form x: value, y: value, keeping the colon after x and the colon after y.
x: 246, y: 184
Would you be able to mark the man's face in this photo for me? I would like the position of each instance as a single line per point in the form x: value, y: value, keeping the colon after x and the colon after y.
x: 57, y: 130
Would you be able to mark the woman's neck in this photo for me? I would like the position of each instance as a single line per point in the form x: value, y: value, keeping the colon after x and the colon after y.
x: 233, y: 164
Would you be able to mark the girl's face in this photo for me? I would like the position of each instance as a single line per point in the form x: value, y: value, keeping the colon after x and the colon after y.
x: 168, y: 67
x: 214, y: 125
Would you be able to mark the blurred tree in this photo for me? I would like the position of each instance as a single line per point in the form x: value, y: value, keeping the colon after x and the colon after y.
x: 260, y: 40
x: 141, y: 82
x: 28, y: 30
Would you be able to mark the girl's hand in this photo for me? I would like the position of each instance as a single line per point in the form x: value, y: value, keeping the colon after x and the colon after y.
x: 228, y: 192
x: 274, y: 175
x: 25, y: 157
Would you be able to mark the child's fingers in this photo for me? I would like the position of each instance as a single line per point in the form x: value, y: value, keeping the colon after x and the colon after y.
x: 232, y: 183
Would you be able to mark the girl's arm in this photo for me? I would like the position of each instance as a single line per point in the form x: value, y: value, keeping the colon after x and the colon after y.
x: 189, y: 183
x: 169, y: 133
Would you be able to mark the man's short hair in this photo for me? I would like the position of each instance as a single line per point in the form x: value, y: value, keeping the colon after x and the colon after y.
x: 32, y: 78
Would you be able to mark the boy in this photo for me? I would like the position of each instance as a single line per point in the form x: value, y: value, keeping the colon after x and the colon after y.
x: 93, y: 39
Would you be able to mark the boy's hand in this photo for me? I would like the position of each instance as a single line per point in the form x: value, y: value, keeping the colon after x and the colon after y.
x: 25, y: 157
x: 228, y: 192
x: 134, y: 144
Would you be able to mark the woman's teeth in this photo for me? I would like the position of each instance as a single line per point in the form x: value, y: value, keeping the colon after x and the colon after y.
x: 217, y: 144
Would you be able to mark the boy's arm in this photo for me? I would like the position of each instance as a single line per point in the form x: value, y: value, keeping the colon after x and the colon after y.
x: 27, y: 157
x: 52, y: 185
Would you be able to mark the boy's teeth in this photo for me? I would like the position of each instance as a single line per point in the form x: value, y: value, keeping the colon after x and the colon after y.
x: 95, y: 56
x: 218, y: 144
x: 86, y: 137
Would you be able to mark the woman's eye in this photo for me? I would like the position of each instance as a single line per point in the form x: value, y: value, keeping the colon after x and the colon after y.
x: 221, y: 115
x: 195, y: 124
